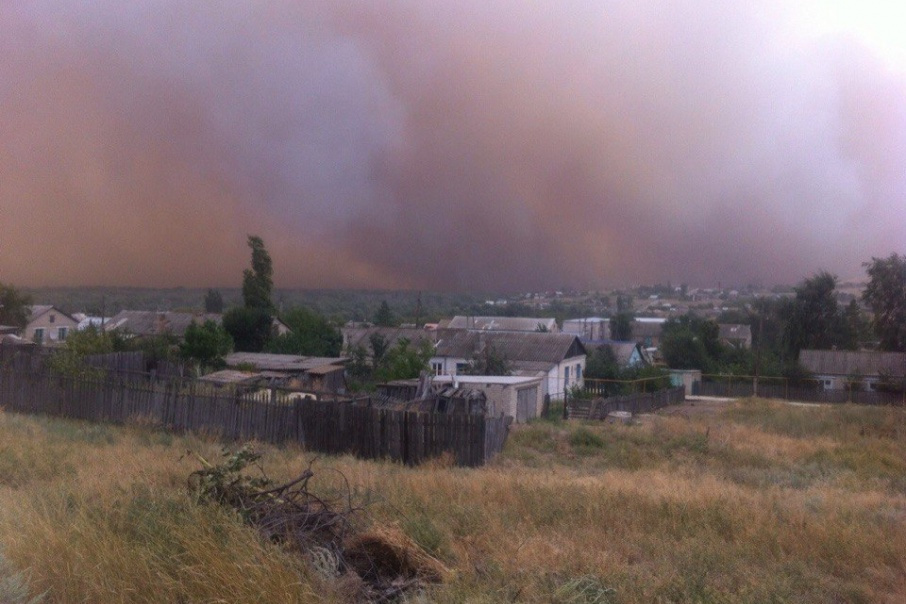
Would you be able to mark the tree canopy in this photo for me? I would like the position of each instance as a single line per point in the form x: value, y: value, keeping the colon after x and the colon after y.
x: 258, y: 281
x: 384, y: 317
x: 886, y: 295
x: 213, y: 301
x: 691, y: 342
x: 621, y: 326
x: 403, y: 361
x: 310, y: 334
x: 13, y: 306
x: 813, y: 317
x: 207, y: 344
x: 250, y: 328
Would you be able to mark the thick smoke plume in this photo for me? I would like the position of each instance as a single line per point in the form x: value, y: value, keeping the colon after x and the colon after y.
x: 452, y: 145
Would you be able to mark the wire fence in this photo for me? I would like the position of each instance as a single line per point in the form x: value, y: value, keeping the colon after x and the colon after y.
x: 852, y: 389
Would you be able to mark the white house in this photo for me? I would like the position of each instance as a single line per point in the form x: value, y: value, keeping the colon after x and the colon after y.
x: 557, y: 357
x: 47, y: 325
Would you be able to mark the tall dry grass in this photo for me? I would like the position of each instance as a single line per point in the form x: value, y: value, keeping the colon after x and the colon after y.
x: 760, y: 503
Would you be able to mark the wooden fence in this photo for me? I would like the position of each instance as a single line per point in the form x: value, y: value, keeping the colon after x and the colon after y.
x: 598, y: 408
x: 332, y: 427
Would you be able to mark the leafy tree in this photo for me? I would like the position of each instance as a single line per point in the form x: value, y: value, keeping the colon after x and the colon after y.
x: 488, y: 362
x: 886, y: 295
x: 404, y: 361
x: 310, y: 334
x: 358, y: 368
x: 813, y: 319
x: 258, y: 281
x: 69, y: 360
x: 207, y: 344
x: 602, y: 364
x: 250, y: 325
x: 621, y: 326
x: 213, y: 301
x: 13, y: 306
x: 250, y: 328
x: 691, y: 342
x: 379, y: 346
x: 384, y: 317
x: 92, y: 340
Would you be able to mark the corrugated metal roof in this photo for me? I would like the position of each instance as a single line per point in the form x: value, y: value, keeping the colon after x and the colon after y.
x: 851, y: 362
x: 281, y: 362
x: 229, y: 376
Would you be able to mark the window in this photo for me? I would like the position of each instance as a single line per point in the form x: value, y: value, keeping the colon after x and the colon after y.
x: 578, y: 372
x: 460, y: 367
x: 565, y: 377
x: 53, y: 318
x: 39, y: 335
x: 437, y: 368
x: 61, y: 333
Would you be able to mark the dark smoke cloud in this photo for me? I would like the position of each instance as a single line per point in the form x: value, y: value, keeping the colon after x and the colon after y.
x: 493, y: 144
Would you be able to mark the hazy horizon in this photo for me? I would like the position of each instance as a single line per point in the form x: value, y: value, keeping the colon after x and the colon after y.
x: 475, y: 146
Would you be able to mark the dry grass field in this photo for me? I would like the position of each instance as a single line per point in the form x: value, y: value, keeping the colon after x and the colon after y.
x: 755, y: 502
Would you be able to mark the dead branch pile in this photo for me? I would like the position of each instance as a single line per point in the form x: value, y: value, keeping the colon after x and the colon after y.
x: 380, y: 564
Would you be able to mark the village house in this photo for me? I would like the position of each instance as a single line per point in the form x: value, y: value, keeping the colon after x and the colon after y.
x: 47, y: 325
x: 735, y: 335
x: 866, y: 369
x: 557, y: 357
x: 627, y: 354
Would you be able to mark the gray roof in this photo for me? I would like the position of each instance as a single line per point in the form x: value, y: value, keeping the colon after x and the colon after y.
x: 734, y: 331
x: 849, y: 362
x: 500, y: 323
x: 281, y: 362
x: 151, y: 322
x: 36, y: 310
x: 360, y: 336
x: 523, y: 350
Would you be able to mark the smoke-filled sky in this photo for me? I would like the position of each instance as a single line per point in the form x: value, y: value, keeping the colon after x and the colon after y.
x: 475, y: 144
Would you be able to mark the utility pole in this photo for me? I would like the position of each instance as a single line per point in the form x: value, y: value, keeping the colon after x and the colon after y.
x: 758, y: 349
